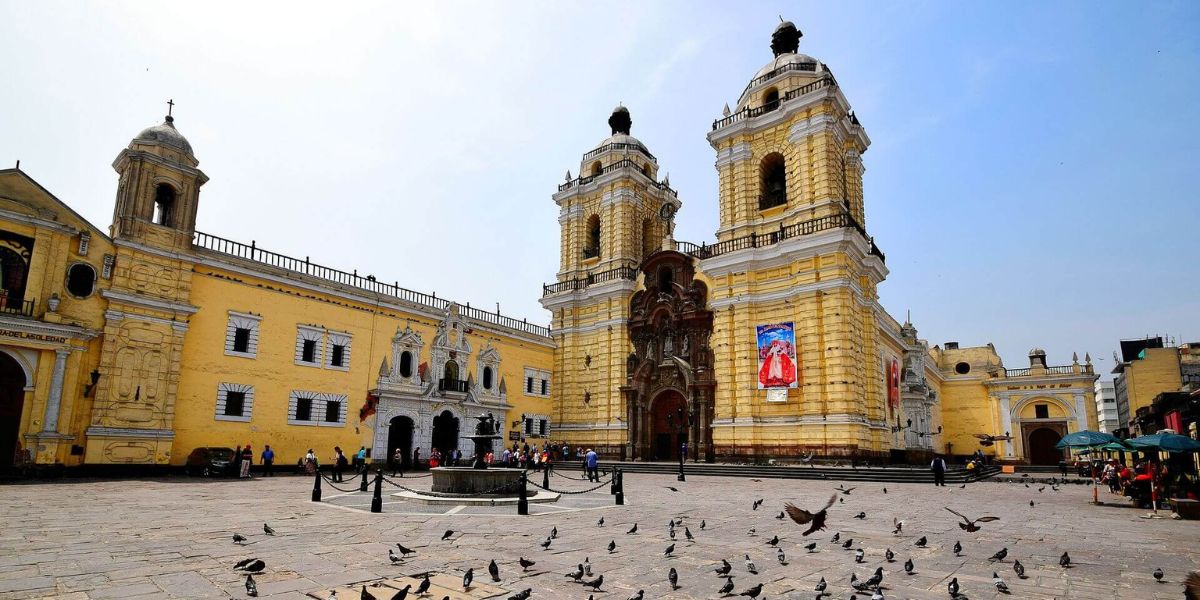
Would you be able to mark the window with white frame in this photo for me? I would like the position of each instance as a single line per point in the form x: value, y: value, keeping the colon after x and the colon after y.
x: 309, y: 341
x: 536, y: 426
x: 537, y: 382
x: 338, y: 355
x: 241, y: 334
x: 317, y: 409
x: 235, y: 402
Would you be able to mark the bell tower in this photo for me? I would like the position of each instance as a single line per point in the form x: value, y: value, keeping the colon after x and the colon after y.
x: 611, y: 216
x: 159, y: 188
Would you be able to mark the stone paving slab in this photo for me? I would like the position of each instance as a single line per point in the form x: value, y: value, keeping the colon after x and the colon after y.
x: 172, y: 538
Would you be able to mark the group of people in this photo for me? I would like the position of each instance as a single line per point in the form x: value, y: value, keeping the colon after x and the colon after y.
x: 243, y: 457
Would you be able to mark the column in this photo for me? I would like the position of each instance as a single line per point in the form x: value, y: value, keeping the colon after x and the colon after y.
x: 1080, y: 413
x: 54, y: 402
x: 1006, y: 423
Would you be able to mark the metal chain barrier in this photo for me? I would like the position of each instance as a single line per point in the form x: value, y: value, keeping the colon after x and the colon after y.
x: 330, y: 483
x: 555, y: 472
x: 483, y: 493
x: 602, y: 484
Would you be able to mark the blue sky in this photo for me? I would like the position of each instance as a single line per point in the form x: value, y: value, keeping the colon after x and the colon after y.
x: 1032, y: 179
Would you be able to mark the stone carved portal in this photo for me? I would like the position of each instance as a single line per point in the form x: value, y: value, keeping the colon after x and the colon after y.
x: 671, y: 365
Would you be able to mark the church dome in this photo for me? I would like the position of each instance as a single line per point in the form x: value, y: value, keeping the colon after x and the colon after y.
x: 165, y: 134
x: 620, y: 123
x: 785, y: 46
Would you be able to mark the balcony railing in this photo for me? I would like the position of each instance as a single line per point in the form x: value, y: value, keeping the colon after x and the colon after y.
x: 618, y: 165
x: 14, y: 306
x: 771, y: 201
x: 756, y: 240
x: 253, y: 253
x: 617, y: 146
x: 590, y: 253
x: 452, y: 385
x: 1059, y: 370
x: 810, y: 67
x: 750, y: 113
x: 570, y: 285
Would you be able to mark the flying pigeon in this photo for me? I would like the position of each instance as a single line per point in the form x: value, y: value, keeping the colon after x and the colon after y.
x: 243, y: 563
x: 969, y: 525
x: 254, y: 566
x: 494, y: 570
x: 845, y: 491
x: 802, y: 517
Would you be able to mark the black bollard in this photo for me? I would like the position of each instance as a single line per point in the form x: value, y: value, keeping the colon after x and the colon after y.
x: 316, y: 496
x: 377, y: 500
x: 619, y: 477
x: 612, y: 483
x: 546, y: 477
x: 362, y: 487
x: 523, y: 498
x: 681, y: 477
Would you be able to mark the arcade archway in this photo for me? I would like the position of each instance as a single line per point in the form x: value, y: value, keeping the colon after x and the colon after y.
x: 12, y: 401
x: 1040, y: 444
x: 445, y: 432
x: 400, y: 435
x: 668, y: 425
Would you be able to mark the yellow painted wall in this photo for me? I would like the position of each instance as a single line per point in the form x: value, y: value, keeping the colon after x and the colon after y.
x: 1148, y: 377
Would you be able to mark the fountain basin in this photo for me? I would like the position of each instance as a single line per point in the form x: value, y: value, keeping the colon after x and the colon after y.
x: 496, y: 483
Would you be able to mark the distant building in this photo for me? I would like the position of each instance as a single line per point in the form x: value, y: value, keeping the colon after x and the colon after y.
x: 1106, y: 407
x: 1145, y: 369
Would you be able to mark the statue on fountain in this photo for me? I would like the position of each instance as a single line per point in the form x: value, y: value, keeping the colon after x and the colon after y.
x: 486, y: 430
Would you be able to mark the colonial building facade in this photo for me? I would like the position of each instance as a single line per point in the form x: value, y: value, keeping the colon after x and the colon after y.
x: 137, y: 345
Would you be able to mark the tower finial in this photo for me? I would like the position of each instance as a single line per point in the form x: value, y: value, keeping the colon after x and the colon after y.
x: 620, y: 122
x: 170, y: 106
x: 786, y: 38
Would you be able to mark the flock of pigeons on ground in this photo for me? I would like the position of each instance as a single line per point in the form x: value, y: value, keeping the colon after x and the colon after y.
x: 814, y: 520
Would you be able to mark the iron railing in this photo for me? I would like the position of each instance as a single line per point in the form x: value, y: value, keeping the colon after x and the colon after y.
x: 1059, y: 370
x: 619, y: 146
x: 758, y: 240
x: 570, y: 285
x: 810, y: 67
x: 253, y: 253
x: 749, y: 113
x: 591, y: 253
x: 452, y: 385
x: 14, y: 306
x: 624, y: 163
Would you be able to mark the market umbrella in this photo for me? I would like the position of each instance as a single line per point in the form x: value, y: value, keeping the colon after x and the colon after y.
x: 1117, y: 446
x: 1167, y: 442
x: 1087, y: 439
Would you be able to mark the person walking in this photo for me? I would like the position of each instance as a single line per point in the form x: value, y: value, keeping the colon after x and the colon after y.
x: 310, y: 462
x: 592, y: 460
x: 397, y: 460
x: 247, y: 458
x: 360, y: 459
x: 268, y: 461
x: 938, y: 466
x: 339, y: 463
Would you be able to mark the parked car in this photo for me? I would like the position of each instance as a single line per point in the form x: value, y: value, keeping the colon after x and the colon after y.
x: 208, y: 462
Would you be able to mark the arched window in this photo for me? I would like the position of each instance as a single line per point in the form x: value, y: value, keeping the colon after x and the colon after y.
x: 592, y: 248
x: 666, y: 279
x: 451, y: 371
x: 406, y: 364
x: 596, y: 168
x: 772, y: 181
x: 771, y: 99
x: 164, y: 205
x: 81, y: 280
x: 487, y: 378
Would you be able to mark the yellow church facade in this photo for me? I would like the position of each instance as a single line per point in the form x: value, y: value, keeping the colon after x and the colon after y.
x: 136, y: 345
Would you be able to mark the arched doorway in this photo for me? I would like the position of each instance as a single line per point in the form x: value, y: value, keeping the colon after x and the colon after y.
x: 400, y: 435
x: 668, y: 425
x: 445, y: 432
x: 1041, y: 446
x: 12, y: 401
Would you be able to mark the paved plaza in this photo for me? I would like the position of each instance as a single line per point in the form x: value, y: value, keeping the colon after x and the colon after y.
x: 172, y: 538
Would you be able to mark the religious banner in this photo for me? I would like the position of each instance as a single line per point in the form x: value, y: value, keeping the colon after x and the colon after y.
x: 776, y: 355
x: 891, y: 375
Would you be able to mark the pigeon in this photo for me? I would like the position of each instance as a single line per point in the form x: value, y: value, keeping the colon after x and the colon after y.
x: 952, y: 587
x: 845, y: 491
x: 999, y: 583
x: 595, y: 583
x: 821, y: 585
x: 267, y: 529
x: 669, y: 550
x: 239, y: 538
x: 885, y: 490
x: 525, y: 564
x: 876, y: 578
x: 908, y: 566
x: 446, y: 536
x: 836, y: 537
x: 672, y: 577
x: 1003, y: 552
x: 672, y: 533
x: 1064, y: 561
x: 494, y: 570
x: 877, y: 595
x: 587, y: 567
x: 811, y: 547
x: 254, y: 566
x: 600, y: 523
x: 858, y: 555
x: 962, y: 487
x: 899, y: 527
x: 612, y: 546
x: 757, y: 503
x: 546, y: 544
x: 637, y: 596
x: 849, y: 542
x: 251, y: 587
x: 554, y: 533
x: 861, y: 515
x: 467, y: 577
x: 405, y: 551
x: 365, y: 595
x: 392, y: 556
x: 724, y: 569
x: 780, y: 556
x: 1031, y: 502
x: 774, y: 541
x: 921, y: 542
x: 727, y: 588
x: 423, y: 586
x: 780, y: 515
x: 750, y: 565
x: 577, y: 574
x: 802, y: 517
x: 521, y: 595
x: 701, y: 524
x: 402, y: 594
x: 753, y: 592
x: 751, y: 532
x: 687, y: 533
x: 243, y: 563
x: 1019, y: 569
x: 969, y: 525
x: 1158, y: 575
x: 889, y: 555
x: 957, y: 548
x: 632, y: 530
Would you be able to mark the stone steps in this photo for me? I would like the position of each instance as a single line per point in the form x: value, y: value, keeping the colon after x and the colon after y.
x: 900, y: 474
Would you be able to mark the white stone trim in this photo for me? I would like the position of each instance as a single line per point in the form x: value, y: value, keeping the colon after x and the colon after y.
x: 734, y: 153
x: 599, y: 325
x: 337, y: 338
x: 239, y: 320
x: 539, y: 377
x: 151, y: 303
x: 319, y: 403
x: 223, y: 390
x: 531, y: 426
x: 312, y: 334
x: 784, y: 294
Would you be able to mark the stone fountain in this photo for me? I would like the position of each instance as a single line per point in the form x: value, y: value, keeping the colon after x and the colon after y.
x: 479, y: 478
